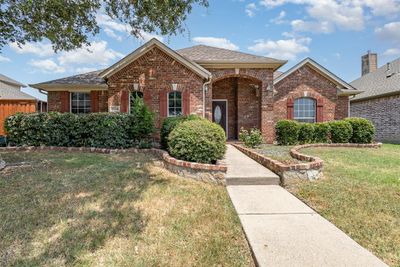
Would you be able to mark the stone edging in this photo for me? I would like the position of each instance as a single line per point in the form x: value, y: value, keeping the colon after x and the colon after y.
x: 312, y: 169
x: 207, y: 172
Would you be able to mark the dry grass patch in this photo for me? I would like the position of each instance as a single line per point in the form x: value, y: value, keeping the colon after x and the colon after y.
x: 360, y: 194
x: 81, y: 209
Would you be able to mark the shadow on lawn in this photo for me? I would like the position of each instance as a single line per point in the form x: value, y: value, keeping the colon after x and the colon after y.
x: 57, y: 213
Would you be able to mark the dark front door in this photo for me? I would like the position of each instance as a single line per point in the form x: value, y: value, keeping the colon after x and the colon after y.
x: 219, y: 114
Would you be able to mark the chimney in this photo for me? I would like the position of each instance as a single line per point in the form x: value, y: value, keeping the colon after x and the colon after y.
x: 369, y: 63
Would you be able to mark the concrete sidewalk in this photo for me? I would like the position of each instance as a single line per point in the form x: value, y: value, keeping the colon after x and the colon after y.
x: 282, y: 230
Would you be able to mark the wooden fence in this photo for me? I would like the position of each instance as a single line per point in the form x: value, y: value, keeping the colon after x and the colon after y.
x: 10, y: 107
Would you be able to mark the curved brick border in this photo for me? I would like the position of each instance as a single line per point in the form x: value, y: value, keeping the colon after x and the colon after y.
x: 311, y: 169
x: 199, y: 171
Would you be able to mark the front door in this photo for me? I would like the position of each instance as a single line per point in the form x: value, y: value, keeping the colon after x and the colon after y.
x: 219, y: 114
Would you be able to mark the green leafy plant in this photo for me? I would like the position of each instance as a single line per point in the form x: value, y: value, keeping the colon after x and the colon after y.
x: 341, y: 131
x: 322, y: 132
x: 363, y: 130
x: 170, y: 123
x: 197, y: 141
x: 306, y: 133
x: 287, y: 132
x: 252, y: 138
x: 108, y: 130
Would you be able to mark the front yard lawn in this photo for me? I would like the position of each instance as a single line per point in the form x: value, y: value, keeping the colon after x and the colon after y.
x: 360, y: 194
x: 82, y: 209
x: 281, y: 153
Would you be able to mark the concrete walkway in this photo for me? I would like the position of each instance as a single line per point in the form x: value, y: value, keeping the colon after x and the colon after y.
x: 283, y: 231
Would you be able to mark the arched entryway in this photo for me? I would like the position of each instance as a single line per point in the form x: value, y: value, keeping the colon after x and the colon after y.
x: 236, y: 102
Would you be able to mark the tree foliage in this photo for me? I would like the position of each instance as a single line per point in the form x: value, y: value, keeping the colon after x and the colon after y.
x: 68, y: 24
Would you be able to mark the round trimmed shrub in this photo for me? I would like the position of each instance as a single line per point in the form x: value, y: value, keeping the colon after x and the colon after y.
x: 197, y: 141
x: 363, y: 130
x: 322, y: 131
x: 169, y: 124
x: 306, y: 133
x: 287, y: 132
x: 252, y: 138
x: 341, y: 131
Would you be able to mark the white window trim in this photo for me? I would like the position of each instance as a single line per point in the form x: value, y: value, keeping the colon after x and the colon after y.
x: 70, y: 100
x: 305, y: 118
x: 168, y: 104
x: 226, y: 112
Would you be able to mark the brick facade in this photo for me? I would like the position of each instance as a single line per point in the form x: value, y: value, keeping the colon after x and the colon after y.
x: 253, y: 99
x: 384, y: 113
x: 155, y: 72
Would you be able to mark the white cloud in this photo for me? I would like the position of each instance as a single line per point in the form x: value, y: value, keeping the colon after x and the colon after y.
x: 47, y: 66
x: 389, y: 32
x: 4, y: 59
x: 85, y: 69
x: 38, y: 49
x: 392, y: 52
x: 251, y: 9
x: 97, y: 53
x: 217, y: 42
x: 341, y: 14
x: 309, y: 26
x: 279, y: 19
x: 111, y: 28
x: 282, y: 49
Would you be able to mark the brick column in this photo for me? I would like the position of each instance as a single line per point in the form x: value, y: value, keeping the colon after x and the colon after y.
x: 267, y: 108
x: 209, y: 102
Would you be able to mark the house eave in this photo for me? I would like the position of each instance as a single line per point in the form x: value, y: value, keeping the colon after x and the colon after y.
x: 235, y: 64
x: 65, y: 87
x: 348, y: 92
x: 375, y: 96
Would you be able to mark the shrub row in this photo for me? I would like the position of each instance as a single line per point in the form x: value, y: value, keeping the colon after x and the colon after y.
x: 354, y: 130
x: 105, y: 130
x: 169, y: 124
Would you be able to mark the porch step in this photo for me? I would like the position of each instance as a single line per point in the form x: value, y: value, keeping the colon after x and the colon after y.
x: 242, y: 170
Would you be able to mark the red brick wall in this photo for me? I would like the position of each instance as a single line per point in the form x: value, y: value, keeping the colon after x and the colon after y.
x: 306, y: 82
x: 54, y: 101
x: 248, y: 104
x: 165, y: 71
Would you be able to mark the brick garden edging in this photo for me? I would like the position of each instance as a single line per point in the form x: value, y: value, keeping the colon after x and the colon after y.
x: 312, y: 169
x: 198, y: 171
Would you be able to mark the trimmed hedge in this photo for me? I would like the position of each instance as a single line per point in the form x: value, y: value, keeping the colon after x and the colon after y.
x: 363, y: 130
x: 169, y: 124
x: 306, y: 133
x: 252, y: 138
x: 341, y: 131
x: 197, y: 141
x: 287, y: 132
x: 322, y: 132
x: 104, y: 130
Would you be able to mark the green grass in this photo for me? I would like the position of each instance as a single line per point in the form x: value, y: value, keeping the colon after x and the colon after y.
x: 281, y: 153
x: 360, y: 194
x: 73, y: 209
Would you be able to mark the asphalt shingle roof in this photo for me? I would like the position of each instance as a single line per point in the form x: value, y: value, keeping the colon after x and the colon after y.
x: 8, y: 80
x: 377, y: 83
x: 204, y: 53
x: 14, y: 94
x: 84, y: 78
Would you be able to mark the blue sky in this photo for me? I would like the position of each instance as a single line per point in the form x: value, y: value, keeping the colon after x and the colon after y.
x: 334, y: 33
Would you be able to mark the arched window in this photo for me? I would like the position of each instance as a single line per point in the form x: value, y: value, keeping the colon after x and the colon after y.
x: 305, y: 109
x: 174, y: 104
x: 134, y: 95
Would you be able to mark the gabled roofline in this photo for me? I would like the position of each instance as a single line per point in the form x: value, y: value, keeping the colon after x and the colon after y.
x: 12, y: 81
x: 313, y: 64
x: 61, y: 87
x: 199, y: 70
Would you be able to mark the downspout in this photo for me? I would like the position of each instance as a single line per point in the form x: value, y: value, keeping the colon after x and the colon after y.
x: 205, y: 88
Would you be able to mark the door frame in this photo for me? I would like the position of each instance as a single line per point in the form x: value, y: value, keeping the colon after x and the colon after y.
x: 226, y: 113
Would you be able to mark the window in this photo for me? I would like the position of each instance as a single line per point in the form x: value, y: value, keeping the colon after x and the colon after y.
x: 133, y: 96
x: 305, y: 109
x: 80, y: 102
x: 174, y: 104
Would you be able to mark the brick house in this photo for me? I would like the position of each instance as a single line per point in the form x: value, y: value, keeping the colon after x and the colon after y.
x: 231, y: 88
x: 380, y: 102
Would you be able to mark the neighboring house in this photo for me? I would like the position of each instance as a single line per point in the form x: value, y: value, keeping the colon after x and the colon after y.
x: 13, y: 100
x: 231, y: 88
x: 380, y: 102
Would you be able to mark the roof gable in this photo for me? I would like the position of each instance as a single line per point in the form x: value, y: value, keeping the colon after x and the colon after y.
x: 378, y: 83
x: 343, y: 86
x: 199, y: 70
